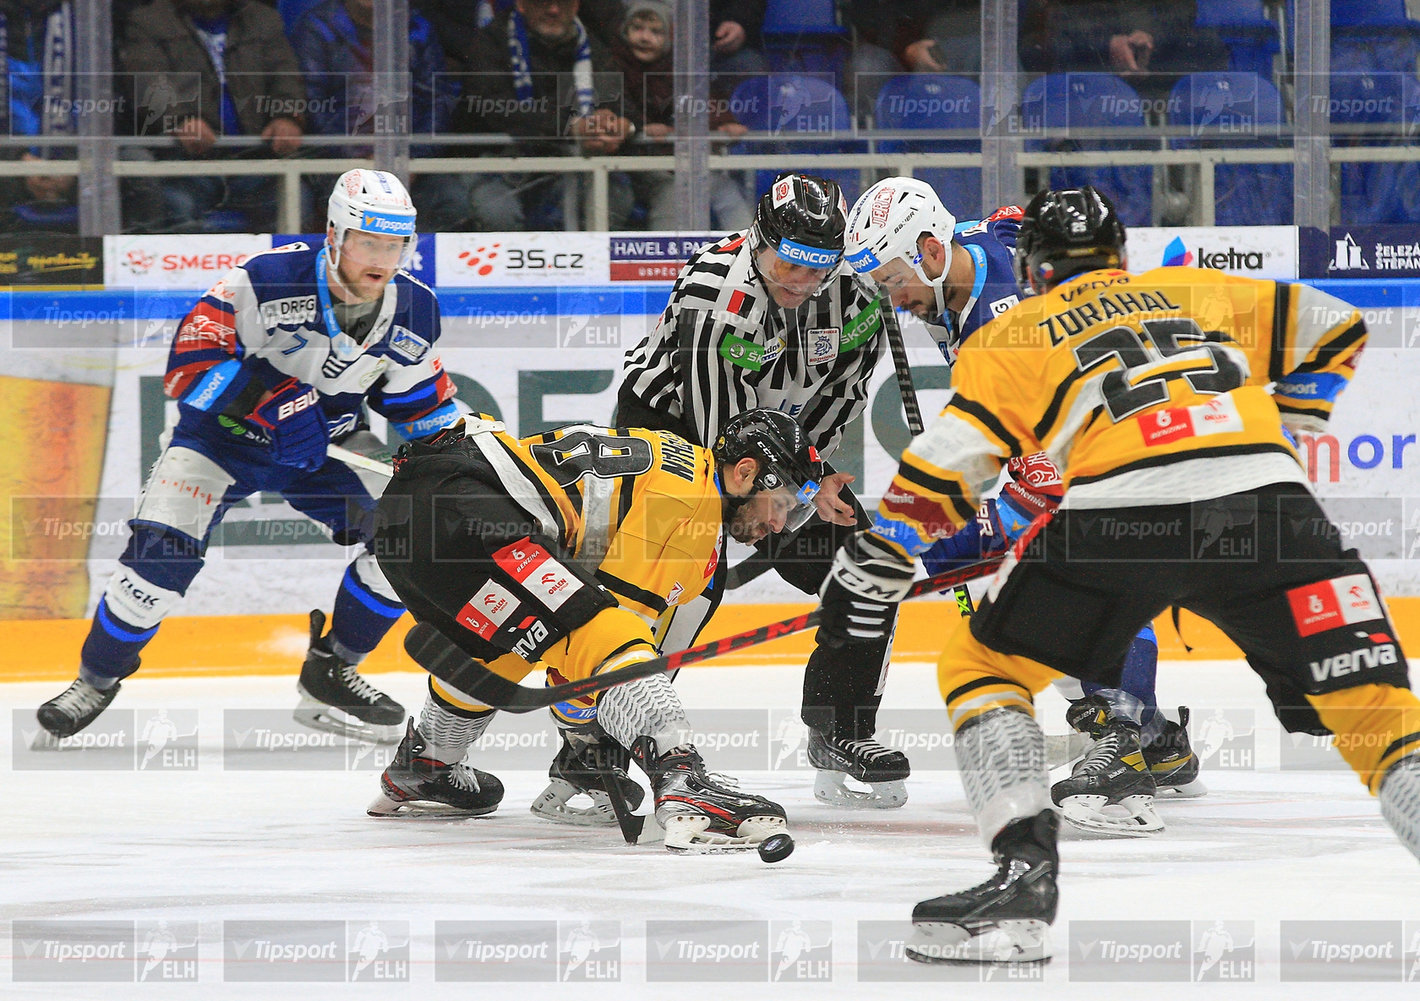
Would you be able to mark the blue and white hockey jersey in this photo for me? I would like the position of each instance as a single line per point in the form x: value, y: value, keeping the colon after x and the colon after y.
x: 991, y: 242
x: 265, y: 321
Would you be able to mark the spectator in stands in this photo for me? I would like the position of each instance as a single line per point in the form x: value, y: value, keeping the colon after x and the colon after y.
x: 1148, y: 43
x: 543, y: 79
x: 451, y: 20
x: 203, y: 69
x: 37, y: 59
x: 643, y: 54
x: 334, y: 44
x: 912, y: 36
x: 735, y: 39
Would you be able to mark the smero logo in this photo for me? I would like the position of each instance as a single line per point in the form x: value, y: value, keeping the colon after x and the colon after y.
x: 1321, y: 453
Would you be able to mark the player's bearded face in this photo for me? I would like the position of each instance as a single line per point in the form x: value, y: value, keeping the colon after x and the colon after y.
x: 791, y: 285
x: 368, y: 261
x: 906, y: 290
x: 763, y: 514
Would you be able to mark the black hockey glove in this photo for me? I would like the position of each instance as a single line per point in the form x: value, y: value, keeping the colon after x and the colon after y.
x: 860, y: 596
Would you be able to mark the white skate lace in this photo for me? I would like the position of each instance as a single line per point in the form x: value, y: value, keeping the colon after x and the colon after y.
x: 463, y: 778
x: 867, y: 748
x: 79, y: 699
x: 358, y: 686
x: 1099, y: 757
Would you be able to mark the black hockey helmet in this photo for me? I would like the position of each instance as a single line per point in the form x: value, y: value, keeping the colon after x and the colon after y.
x: 1068, y: 232
x: 788, y: 464
x: 802, y: 218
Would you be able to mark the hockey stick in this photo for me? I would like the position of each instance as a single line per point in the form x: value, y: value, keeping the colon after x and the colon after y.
x: 438, y: 655
x: 913, y: 413
x: 374, y: 462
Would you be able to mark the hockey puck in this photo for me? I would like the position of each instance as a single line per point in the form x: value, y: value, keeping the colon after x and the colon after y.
x: 776, y: 848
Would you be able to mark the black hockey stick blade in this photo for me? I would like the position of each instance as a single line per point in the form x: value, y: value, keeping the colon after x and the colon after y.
x: 438, y: 655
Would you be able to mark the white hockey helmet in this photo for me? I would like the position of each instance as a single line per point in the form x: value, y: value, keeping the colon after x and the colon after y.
x: 885, y: 223
x: 372, y: 201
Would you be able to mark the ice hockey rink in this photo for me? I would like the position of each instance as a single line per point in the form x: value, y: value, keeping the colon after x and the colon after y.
x: 200, y: 854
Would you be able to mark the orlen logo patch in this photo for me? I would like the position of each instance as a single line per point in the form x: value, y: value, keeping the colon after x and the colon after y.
x: 1177, y: 254
x: 489, y: 608
x: 533, y: 567
x: 481, y: 259
x: 1331, y: 604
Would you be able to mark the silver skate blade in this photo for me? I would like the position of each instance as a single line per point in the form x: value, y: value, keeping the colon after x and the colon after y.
x: 1063, y: 748
x: 831, y: 788
x: 553, y: 804
x: 1189, y: 790
x: 688, y: 834
x: 385, y: 808
x: 1006, y: 942
x: 330, y: 719
x: 1131, y: 817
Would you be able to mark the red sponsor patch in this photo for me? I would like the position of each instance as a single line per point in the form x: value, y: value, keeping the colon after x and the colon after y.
x: 1163, y: 426
x: 737, y: 299
x: 537, y: 570
x: 488, y: 608
x: 1315, y: 608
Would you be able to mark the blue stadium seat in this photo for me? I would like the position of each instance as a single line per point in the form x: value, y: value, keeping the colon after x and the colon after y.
x: 1250, y: 35
x: 792, y: 104
x: 1229, y: 110
x: 1369, y: 36
x: 1377, y: 192
x: 1091, y: 101
x: 802, y: 17
x: 934, y: 101
x: 293, y: 10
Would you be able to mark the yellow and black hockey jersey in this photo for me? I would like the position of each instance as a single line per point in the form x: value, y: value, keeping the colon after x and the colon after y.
x: 642, y: 509
x: 1144, y: 389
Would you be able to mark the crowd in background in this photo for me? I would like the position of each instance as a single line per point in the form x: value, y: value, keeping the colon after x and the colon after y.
x: 222, y: 79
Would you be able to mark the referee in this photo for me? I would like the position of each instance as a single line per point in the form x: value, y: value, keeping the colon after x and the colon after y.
x: 770, y: 318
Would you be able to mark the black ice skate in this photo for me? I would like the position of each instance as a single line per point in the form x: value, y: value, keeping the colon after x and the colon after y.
x: 1110, y: 791
x: 576, y: 792
x: 1171, y: 760
x: 700, y: 811
x: 73, y: 709
x: 1005, y: 919
x: 414, y: 785
x: 881, y: 769
x: 336, y: 699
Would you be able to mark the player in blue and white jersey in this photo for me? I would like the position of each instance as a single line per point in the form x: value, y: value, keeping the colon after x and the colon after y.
x: 957, y: 277
x: 274, y: 363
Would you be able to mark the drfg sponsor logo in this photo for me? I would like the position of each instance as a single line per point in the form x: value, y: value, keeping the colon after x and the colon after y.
x: 503, y: 950
x: 1130, y: 950
x: 1224, y: 951
x: 707, y: 950
x: 282, y: 951
x: 94, y: 951
x: 1341, y: 950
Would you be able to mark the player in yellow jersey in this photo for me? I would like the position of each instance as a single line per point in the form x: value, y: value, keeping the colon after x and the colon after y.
x: 562, y: 550
x: 1182, y: 488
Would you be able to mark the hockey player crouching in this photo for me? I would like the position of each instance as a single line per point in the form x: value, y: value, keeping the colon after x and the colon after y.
x: 275, y: 362
x: 560, y: 551
x: 1150, y: 392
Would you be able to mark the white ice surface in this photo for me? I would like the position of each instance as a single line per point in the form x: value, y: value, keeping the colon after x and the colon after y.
x: 211, y: 845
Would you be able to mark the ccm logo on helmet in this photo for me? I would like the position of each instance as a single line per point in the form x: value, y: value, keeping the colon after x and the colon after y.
x: 812, y: 257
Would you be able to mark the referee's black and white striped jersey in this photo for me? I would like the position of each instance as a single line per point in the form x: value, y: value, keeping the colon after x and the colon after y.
x: 722, y: 347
